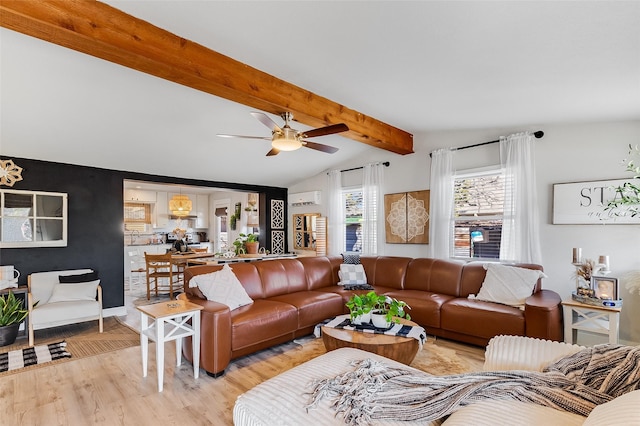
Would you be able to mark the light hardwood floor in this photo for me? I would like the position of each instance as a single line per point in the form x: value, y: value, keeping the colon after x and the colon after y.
x: 109, y: 389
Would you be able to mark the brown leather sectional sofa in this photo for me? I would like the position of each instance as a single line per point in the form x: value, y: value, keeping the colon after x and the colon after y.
x: 292, y: 295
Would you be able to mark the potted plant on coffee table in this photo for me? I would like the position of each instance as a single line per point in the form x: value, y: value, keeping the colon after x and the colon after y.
x: 360, y: 306
x: 387, y: 309
x: 12, y: 313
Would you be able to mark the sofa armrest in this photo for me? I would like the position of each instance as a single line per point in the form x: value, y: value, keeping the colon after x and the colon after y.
x: 543, y: 315
x: 215, y: 335
x: 524, y: 353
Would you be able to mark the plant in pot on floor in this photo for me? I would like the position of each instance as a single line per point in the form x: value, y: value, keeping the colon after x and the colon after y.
x: 387, y: 309
x: 360, y: 306
x: 12, y: 313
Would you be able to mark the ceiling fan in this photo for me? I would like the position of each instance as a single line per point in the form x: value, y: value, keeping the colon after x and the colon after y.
x: 286, y: 138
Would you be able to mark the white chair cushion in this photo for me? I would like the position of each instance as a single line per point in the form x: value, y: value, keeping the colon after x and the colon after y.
x: 223, y: 287
x: 508, y: 285
x: 61, y: 313
x: 76, y: 291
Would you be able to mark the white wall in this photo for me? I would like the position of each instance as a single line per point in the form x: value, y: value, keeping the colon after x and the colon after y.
x: 566, y: 153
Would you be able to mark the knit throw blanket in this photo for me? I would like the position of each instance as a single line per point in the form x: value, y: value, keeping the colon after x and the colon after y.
x: 576, y: 383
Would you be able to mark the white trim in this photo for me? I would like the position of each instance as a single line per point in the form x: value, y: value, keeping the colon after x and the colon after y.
x: 117, y: 311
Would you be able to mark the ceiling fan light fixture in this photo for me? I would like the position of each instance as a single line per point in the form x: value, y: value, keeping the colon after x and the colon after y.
x: 286, y: 143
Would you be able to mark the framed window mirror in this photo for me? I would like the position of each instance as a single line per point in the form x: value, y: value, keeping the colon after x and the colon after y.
x: 32, y: 219
x: 309, y: 233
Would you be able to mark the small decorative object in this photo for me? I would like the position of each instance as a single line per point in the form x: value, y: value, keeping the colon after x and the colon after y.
x: 12, y: 313
x: 10, y: 173
x: 605, y: 288
x: 584, y: 272
x: 577, y: 255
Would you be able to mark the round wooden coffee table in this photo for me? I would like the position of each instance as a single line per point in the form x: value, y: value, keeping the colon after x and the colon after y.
x: 401, y: 349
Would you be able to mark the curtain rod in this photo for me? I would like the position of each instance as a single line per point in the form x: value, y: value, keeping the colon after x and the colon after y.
x: 386, y: 164
x: 537, y: 134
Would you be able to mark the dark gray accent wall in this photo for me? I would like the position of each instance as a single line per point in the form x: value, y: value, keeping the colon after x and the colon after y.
x: 95, y: 220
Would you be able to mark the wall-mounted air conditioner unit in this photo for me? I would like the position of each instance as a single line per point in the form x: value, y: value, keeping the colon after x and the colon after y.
x: 304, y: 198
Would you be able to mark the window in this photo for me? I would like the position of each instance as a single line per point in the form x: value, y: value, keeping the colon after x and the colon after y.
x: 478, y: 213
x: 352, y: 207
x: 33, y: 219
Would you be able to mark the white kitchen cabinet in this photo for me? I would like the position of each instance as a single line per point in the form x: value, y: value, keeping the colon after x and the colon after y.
x: 161, y: 210
x: 202, y: 211
x: 139, y: 196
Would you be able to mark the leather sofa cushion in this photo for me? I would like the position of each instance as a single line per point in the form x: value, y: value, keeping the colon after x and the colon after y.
x: 435, y: 275
x: 282, y: 277
x: 385, y: 271
x: 483, y: 319
x: 313, y: 306
x: 321, y: 271
x: 261, y: 321
x: 425, y: 306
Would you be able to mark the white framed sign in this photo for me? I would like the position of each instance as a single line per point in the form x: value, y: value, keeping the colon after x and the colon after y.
x: 583, y: 203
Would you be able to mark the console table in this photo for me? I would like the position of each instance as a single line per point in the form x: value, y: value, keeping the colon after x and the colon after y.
x: 595, y: 319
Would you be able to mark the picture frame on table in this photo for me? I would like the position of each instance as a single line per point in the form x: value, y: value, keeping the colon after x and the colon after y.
x: 605, y: 288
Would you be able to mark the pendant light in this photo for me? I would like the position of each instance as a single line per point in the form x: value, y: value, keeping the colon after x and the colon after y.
x: 180, y: 205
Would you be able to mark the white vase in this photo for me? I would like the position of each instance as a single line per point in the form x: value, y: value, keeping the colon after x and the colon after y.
x: 362, y: 319
x: 380, y: 320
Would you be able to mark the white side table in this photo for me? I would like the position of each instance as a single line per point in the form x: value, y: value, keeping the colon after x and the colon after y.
x: 595, y: 319
x: 169, y: 322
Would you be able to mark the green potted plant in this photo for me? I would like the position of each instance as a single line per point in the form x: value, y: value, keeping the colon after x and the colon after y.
x: 387, y: 309
x: 247, y: 243
x: 12, y: 313
x: 360, y: 306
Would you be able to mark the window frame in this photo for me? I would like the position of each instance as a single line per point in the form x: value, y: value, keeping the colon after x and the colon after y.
x: 455, y: 220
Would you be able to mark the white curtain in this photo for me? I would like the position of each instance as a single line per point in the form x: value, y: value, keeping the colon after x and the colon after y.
x: 441, y: 204
x: 520, y: 228
x: 335, y: 215
x: 372, y: 215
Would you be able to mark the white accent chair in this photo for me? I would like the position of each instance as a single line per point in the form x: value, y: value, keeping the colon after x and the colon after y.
x: 57, y: 311
x: 138, y: 269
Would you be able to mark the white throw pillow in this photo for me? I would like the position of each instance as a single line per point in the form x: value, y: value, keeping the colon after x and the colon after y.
x: 352, y: 274
x: 223, y: 287
x: 508, y: 285
x: 74, y: 291
x: 621, y: 411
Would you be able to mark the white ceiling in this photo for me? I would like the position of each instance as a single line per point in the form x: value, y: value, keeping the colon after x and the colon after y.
x: 421, y: 66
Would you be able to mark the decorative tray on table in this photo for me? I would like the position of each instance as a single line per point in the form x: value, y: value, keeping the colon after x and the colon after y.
x: 594, y: 301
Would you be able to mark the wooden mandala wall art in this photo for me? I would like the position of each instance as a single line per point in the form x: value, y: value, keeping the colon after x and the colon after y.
x: 407, y: 217
x: 10, y: 173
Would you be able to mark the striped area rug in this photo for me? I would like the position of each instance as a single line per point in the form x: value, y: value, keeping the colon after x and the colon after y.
x: 83, y: 340
x: 21, y: 358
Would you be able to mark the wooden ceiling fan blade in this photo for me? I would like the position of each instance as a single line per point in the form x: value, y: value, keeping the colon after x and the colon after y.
x: 264, y: 119
x: 329, y: 130
x: 244, y: 137
x: 274, y: 151
x: 320, y: 147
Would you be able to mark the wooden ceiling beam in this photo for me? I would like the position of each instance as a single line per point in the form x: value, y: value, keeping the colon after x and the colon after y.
x: 100, y: 30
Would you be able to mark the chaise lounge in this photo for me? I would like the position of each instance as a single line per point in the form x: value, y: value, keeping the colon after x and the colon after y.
x: 290, y: 296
